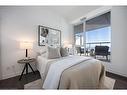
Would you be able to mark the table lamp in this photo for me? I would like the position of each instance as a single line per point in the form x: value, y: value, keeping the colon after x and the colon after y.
x: 26, y: 45
x: 69, y: 45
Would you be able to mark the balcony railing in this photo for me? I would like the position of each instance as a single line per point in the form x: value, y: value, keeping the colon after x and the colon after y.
x: 92, y: 45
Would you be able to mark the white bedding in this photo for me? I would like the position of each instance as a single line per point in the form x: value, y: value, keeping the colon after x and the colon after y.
x: 56, y: 69
x: 92, y: 70
x: 42, y: 63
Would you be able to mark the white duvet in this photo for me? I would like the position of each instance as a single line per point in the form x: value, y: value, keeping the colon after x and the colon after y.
x: 56, y: 69
x: 94, y: 72
x: 42, y: 63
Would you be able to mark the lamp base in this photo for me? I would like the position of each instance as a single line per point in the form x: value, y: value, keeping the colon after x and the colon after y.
x: 26, y: 53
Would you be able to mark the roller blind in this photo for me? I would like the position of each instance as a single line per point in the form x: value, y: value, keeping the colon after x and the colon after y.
x: 98, y: 22
x: 78, y: 28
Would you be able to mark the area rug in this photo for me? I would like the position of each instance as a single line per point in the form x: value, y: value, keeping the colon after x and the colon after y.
x: 37, y: 84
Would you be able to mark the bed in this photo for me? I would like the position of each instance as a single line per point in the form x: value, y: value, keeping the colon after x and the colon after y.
x: 71, y: 72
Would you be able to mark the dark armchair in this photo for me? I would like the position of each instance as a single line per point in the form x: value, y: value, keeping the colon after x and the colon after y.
x: 102, y: 50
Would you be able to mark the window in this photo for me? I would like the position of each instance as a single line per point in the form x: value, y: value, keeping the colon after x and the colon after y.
x: 78, y: 33
x: 101, y: 36
x: 79, y: 39
x: 98, y: 31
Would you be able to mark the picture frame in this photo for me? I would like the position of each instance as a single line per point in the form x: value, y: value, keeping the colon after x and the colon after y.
x: 50, y: 36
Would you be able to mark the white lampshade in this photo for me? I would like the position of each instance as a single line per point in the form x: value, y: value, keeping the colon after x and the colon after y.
x: 26, y: 45
x: 69, y: 46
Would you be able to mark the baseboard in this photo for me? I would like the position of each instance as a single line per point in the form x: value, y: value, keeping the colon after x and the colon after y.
x: 117, y: 75
x: 12, y: 75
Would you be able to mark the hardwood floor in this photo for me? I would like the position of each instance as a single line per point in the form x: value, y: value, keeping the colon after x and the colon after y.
x: 14, y: 83
x: 121, y: 82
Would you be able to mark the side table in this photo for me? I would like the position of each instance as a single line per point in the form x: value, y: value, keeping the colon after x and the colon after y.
x: 27, y: 63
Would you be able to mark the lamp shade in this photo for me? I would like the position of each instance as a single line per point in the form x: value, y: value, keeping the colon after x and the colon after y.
x: 26, y: 45
x: 69, y: 46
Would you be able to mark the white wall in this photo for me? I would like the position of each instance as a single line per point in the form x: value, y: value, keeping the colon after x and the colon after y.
x: 118, y: 41
x: 20, y: 24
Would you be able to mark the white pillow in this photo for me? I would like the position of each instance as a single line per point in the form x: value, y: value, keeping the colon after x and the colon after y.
x: 53, y: 53
x: 63, y: 52
x: 41, y: 51
x: 43, y: 55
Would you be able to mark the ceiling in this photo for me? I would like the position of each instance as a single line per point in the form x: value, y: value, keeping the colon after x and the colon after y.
x: 72, y: 12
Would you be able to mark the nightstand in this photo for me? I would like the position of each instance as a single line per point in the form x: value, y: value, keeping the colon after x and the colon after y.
x: 27, y: 64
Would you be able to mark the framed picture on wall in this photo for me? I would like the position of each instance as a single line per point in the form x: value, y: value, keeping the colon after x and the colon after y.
x: 50, y: 36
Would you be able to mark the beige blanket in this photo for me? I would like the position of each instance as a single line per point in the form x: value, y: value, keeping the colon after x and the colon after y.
x: 89, y: 74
